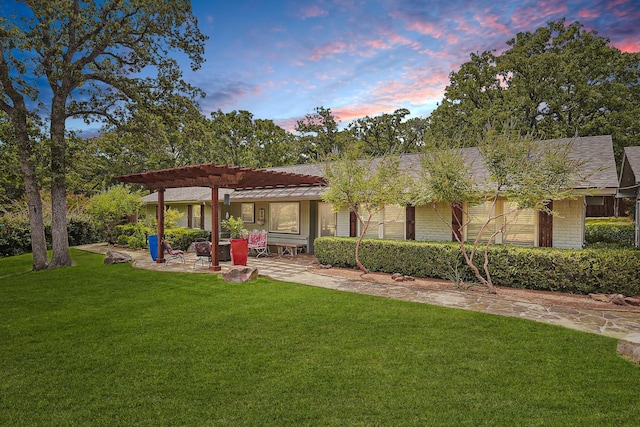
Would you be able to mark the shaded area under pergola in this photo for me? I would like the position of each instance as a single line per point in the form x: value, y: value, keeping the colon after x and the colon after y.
x: 213, y: 176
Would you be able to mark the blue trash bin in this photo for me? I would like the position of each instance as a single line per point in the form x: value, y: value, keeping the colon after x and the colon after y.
x: 153, y: 246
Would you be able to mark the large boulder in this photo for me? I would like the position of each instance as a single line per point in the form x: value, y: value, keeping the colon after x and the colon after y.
x: 114, y: 257
x: 240, y: 275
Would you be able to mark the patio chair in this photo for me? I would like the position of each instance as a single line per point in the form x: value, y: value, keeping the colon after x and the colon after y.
x: 258, y: 243
x: 203, y: 252
x: 173, y: 253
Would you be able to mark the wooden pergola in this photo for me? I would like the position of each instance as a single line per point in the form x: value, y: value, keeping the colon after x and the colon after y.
x: 213, y: 176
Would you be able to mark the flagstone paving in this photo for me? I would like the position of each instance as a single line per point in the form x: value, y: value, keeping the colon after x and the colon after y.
x: 614, y: 322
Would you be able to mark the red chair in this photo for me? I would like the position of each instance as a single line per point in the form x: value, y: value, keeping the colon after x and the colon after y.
x: 173, y: 253
x: 258, y: 242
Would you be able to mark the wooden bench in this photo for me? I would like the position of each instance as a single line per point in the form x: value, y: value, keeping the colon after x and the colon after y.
x: 289, y: 248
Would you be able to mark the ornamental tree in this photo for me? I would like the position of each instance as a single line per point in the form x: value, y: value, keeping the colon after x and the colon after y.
x: 364, y: 186
x: 526, y: 173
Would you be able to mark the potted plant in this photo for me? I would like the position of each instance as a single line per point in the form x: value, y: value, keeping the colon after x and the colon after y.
x: 239, y: 242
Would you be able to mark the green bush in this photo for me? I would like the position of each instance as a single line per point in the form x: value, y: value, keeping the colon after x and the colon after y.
x: 132, y: 234
x: 580, y: 271
x: 610, y: 233
x: 82, y: 232
x: 181, y: 238
x: 15, y: 236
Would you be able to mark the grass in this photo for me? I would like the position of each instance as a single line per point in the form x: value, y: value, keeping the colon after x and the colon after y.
x: 623, y: 220
x: 112, y: 345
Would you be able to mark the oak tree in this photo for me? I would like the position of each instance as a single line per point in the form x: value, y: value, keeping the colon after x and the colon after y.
x: 86, y: 59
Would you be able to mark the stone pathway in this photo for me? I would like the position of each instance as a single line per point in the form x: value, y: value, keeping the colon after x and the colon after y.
x: 610, y: 322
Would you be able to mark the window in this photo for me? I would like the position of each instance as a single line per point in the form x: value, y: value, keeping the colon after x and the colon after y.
x: 196, y: 216
x: 394, y: 222
x: 284, y: 217
x: 247, y: 212
x: 521, y: 228
x: 478, y: 215
x: 392, y: 225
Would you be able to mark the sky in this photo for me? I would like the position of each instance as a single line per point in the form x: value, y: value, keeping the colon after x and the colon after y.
x: 281, y: 59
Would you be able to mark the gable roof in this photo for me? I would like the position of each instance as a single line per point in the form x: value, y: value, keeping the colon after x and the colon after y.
x: 629, y: 181
x: 598, y: 173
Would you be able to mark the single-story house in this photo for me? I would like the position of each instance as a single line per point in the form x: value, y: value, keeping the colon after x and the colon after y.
x: 298, y: 214
x: 629, y: 182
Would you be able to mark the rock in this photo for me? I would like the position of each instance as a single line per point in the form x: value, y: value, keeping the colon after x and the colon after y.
x: 240, y: 275
x: 409, y: 278
x: 618, y: 299
x: 114, y: 257
x: 325, y: 266
x: 635, y: 301
x: 629, y: 347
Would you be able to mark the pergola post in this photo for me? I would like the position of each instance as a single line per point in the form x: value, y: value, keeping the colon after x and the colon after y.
x: 160, y: 258
x: 215, y: 235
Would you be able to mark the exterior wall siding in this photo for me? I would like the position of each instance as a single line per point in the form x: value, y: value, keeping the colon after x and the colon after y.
x: 429, y: 226
x: 568, y: 225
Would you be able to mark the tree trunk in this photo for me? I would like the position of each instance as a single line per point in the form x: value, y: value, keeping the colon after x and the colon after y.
x: 365, y: 226
x: 34, y: 201
x: 59, y: 234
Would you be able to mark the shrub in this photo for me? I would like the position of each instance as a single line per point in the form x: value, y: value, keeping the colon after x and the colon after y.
x: 182, y: 238
x: 580, y: 271
x: 15, y: 236
x: 82, y: 232
x: 610, y: 233
x: 133, y: 234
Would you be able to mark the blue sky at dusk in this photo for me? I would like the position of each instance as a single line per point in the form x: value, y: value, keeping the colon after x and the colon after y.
x: 281, y: 59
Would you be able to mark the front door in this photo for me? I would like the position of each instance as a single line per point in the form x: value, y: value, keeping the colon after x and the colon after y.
x: 328, y: 220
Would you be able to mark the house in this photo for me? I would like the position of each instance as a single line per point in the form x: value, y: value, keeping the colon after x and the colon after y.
x: 629, y: 182
x: 298, y: 214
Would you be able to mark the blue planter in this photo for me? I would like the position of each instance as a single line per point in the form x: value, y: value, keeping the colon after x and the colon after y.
x: 153, y: 246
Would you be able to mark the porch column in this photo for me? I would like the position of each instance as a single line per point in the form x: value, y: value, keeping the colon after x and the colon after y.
x: 215, y: 235
x: 160, y: 258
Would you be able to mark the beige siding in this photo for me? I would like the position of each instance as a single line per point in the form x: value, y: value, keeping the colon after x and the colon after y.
x: 568, y: 225
x: 429, y: 226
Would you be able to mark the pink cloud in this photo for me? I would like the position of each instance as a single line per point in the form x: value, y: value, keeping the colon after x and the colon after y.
x: 527, y: 18
x: 493, y: 23
x: 313, y: 11
x: 328, y: 49
x: 588, y: 14
x: 629, y: 45
x: 426, y: 28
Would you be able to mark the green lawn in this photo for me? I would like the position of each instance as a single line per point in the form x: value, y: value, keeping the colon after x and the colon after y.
x: 112, y: 345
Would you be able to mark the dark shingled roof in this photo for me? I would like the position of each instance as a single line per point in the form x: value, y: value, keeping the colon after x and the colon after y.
x: 598, y: 172
x: 630, y: 173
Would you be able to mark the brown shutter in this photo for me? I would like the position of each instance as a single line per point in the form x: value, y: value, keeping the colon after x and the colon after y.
x: 353, y: 224
x: 456, y: 221
x: 545, y: 228
x: 189, y: 216
x: 411, y: 222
